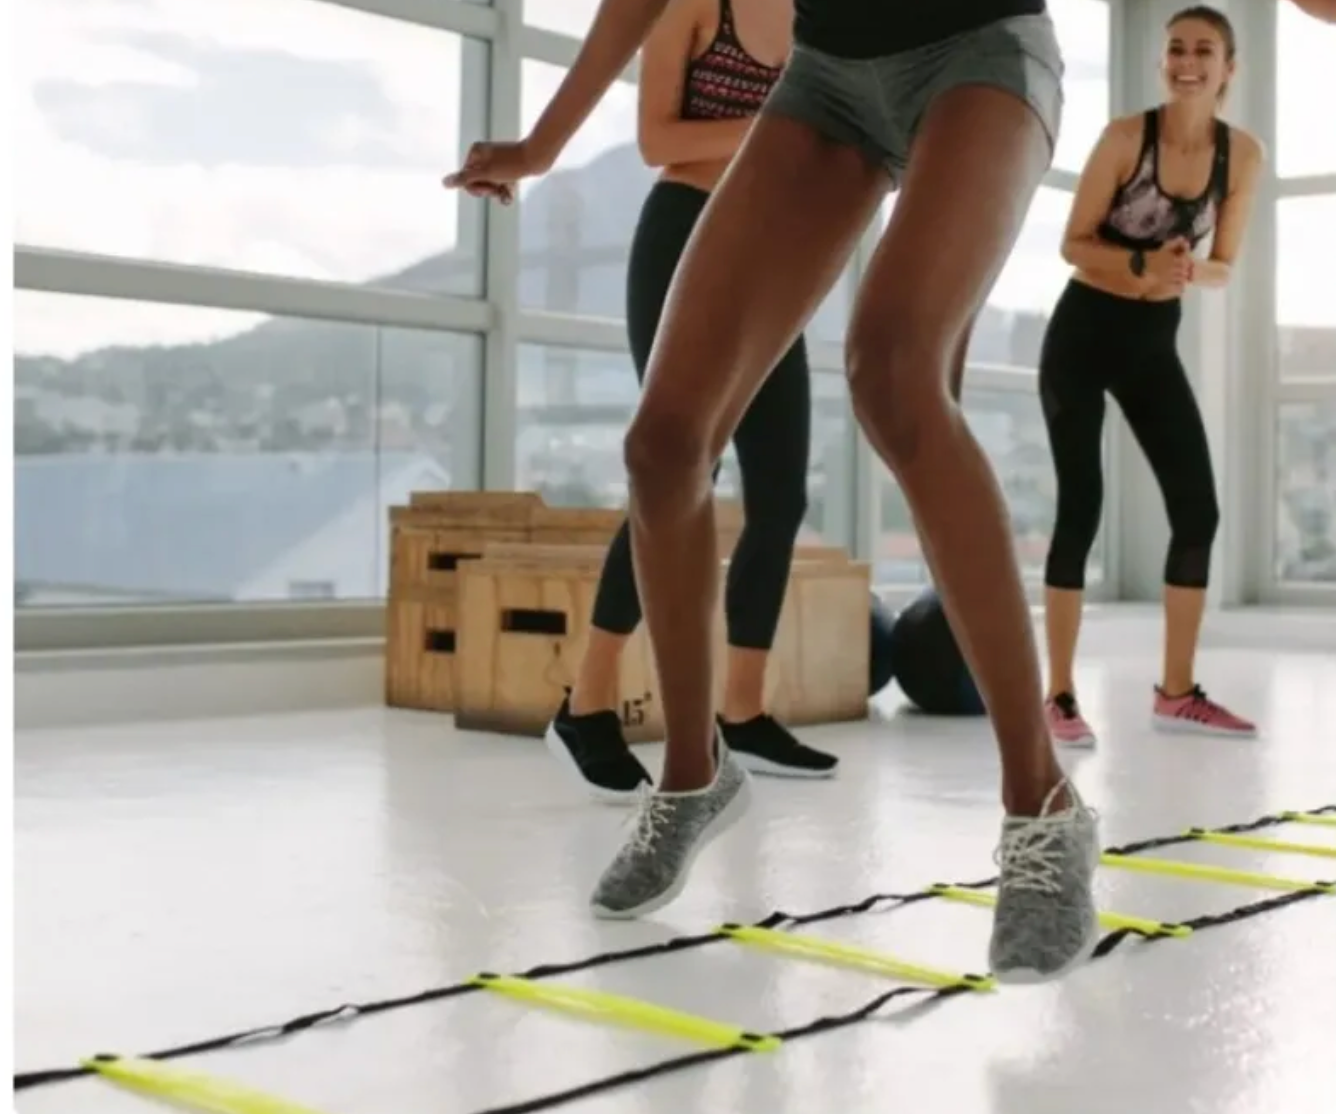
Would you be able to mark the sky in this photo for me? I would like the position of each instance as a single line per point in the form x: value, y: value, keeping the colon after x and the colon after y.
x: 305, y: 139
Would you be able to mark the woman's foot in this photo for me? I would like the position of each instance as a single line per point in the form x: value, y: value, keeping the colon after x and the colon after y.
x: 595, y: 752
x: 667, y: 833
x: 763, y: 745
x: 1194, y: 713
x: 1065, y: 723
x: 1046, y: 923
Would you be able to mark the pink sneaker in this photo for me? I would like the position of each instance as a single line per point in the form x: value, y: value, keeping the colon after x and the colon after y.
x: 1065, y: 722
x: 1196, y: 714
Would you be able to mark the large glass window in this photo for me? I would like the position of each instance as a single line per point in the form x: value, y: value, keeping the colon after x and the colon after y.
x: 283, y: 137
x: 574, y: 409
x: 168, y: 455
x: 1306, y: 431
x: 1083, y: 34
x: 1305, y: 422
x: 1010, y: 330
x: 1305, y: 306
x: 1010, y: 426
x: 1306, y: 496
x: 1305, y: 92
x: 577, y: 222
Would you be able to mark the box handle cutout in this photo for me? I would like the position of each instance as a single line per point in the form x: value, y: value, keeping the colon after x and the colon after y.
x: 445, y: 562
x: 440, y: 642
x: 521, y: 620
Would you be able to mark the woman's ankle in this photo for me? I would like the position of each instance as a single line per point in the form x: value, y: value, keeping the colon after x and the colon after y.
x: 585, y: 702
x: 1027, y: 795
x: 598, y: 683
x: 744, y: 692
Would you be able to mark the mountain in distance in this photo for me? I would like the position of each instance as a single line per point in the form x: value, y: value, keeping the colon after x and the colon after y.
x: 267, y: 386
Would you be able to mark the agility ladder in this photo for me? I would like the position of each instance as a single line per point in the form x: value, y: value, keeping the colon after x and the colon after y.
x: 152, y: 1075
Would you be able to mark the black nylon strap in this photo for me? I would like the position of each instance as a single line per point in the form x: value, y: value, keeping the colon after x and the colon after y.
x: 349, y: 1012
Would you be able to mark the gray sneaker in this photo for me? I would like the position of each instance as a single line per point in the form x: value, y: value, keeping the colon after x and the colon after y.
x: 1046, y: 922
x: 669, y: 831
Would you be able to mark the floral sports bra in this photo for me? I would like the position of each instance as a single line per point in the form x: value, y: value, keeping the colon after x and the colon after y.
x: 1144, y: 216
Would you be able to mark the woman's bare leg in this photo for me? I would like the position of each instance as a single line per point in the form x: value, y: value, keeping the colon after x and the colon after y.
x: 1062, y: 624
x: 1184, y: 609
x: 744, y: 684
x: 740, y: 297
x: 598, y: 683
x: 770, y: 244
x: 978, y: 159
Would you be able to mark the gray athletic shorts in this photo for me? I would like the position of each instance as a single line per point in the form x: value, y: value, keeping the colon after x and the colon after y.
x: 876, y: 104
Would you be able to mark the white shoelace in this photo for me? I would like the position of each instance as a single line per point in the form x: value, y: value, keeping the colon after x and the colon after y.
x: 651, y: 812
x: 1032, y: 857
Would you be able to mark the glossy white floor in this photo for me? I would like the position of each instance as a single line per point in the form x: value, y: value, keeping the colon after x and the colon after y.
x: 177, y: 881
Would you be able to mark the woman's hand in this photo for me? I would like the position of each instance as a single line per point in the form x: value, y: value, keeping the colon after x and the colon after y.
x: 493, y: 169
x: 1170, y: 267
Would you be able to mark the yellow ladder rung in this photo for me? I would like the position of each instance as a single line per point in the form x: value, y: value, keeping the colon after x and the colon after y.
x: 187, y: 1087
x: 1203, y: 873
x: 1112, y: 921
x: 1259, y: 843
x: 614, y: 1009
x: 1309, y: 818
x: 849, y: 955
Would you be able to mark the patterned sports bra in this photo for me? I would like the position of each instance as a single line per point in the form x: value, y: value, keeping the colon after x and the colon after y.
x: 1144, y: 216
x: 726, y: 82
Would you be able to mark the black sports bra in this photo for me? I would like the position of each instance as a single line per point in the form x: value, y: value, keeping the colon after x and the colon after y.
x: 1144, y: 216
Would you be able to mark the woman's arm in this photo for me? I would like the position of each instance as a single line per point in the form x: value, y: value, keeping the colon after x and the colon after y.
x: 1318, y: 9
x: 1235, y: 211
x: 620, y: 28
x: 1107, y: 165
x: 665, y: 138
x: 1084, y: 248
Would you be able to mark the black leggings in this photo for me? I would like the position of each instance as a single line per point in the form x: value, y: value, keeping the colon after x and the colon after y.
x: 1099, y: 342
x: 771, y: 441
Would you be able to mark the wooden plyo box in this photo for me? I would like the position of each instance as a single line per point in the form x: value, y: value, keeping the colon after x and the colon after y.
x: 524, y: 619
x: 818, y: 669
x: 429, y: 540
x: 438, y: 531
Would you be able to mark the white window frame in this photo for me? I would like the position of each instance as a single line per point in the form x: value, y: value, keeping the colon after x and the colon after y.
x: 498, y: 318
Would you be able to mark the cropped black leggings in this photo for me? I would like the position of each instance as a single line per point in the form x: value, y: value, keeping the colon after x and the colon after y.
x: 1098, y: 342
x: 772, y: 444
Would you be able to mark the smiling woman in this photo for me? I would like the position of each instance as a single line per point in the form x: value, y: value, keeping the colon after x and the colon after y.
x: 285, y: 137
x: 1163, y: 206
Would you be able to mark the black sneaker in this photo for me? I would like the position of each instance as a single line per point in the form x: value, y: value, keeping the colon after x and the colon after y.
x: 593, y: 748
x: 764, y: 746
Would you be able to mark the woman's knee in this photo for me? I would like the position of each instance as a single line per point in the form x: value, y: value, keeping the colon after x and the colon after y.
x: 1193, y: 526
x: 1075, y: 527
x: 1065, y: 566
x: 1194, y: 518
x: 1069, y: 552
x: 898, y: 370
x: 666, y: 452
